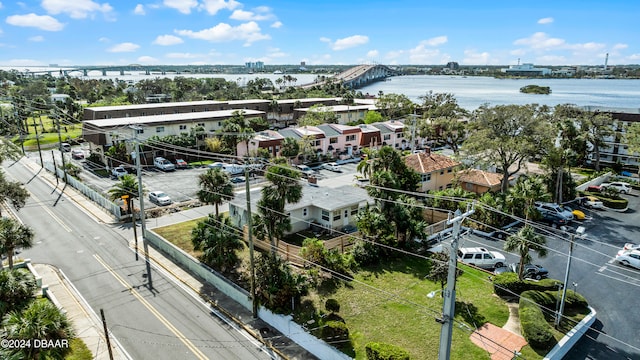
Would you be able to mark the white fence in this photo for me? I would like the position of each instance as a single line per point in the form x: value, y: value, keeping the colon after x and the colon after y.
x: 86, y: 191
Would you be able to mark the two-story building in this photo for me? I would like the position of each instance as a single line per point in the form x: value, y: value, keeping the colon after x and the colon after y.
x: 479, y: 181
x: 342, y: 139
x: 436, y: 171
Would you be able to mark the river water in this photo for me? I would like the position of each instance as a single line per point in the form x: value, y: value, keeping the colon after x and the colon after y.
x: 470, y: 92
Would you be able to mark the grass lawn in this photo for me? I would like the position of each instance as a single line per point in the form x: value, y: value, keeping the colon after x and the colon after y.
x: 50, y: 134
x: 388, y: 303
x: 180, y: 235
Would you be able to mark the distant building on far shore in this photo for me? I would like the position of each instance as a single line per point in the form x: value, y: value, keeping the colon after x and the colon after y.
x: 526, y: 70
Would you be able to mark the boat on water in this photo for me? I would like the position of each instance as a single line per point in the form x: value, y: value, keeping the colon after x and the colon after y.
x: 277, y: 72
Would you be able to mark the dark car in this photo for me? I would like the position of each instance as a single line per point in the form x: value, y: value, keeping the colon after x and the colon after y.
x: 508, y: 230
x: 531, y: 271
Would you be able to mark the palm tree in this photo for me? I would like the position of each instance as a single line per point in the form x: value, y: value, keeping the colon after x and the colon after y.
x: 13, y: 235
x: 524, y: 240
x: 12, y: 191
x: 523, y: 195
x: 290, y: 148
x: 127, y: 188
x: 8, y: 150
x: 218, y: 240
x: 40, y: 320
x: 17, y: 287
x: 215, y: 188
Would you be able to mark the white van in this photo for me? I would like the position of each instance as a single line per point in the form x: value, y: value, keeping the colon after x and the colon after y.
x: 66, y: 147
x: 481, y: 257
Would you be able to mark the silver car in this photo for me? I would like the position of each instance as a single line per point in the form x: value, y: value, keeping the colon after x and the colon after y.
x: 160, y: 198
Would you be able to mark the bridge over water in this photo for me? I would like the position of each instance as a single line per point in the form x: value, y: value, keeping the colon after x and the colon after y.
x: 358, y: 76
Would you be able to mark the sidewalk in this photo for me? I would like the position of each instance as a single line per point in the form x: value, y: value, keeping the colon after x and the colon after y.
x: 238, y: 315
x: 86, y: 324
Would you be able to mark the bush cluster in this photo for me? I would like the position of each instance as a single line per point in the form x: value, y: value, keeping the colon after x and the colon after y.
x: 508, y: 284
x: 382, y: 351
x: 334, y: 331
x: 535, y: 327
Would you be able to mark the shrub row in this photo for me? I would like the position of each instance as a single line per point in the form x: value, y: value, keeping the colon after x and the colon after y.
x: 382, y: 351
x: 535, y: 327
x: 508, y: 284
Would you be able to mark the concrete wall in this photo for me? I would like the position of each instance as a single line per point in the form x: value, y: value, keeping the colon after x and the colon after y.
x: 283, y: 324
x: 571, y: 338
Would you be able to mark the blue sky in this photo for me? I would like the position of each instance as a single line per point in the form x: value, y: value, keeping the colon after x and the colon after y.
x: 92, y: 32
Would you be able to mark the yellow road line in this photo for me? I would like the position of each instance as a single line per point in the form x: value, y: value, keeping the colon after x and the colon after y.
x: 155, y: 312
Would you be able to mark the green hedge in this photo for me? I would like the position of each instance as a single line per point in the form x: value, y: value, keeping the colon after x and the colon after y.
x: 535, y: 328
x: 382, y: 351
x: 615, y: 203
x: 508, y: 284
x: 334, y: 331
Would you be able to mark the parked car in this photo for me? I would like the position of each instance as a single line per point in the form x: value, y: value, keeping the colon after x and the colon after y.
x: 629, y: 258
x: 66, y: 147
x: 594, y: 188
x: 577, y: 214
x: 532, y: 271
x: 622, y: 187
x: 554, y: 213
x: 332, y: 167
x: 631, y: 246
x: 118, y: 172
x: 238, y: 179
x: 508, y: 230
x: 163, y: 164
x: 181, y: 164
x: 160, y: 198
x: 481, y: 257
x: 77, y: 154
x: 592, y: 202
x: 306, y: 171
x: 215, y: 165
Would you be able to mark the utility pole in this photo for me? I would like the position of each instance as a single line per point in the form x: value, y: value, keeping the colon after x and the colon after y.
x: 140, y: 192
x: 64, y: 168
x: 449, y: 306
x: 106, y: 334
x: 53, y: 157
x: 35, y: 127
x: 254, y: 300
x: 579, y: 231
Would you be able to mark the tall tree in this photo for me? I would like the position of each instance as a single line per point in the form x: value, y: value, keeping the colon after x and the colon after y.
x: 318, y: 114
x: 290, y: 148
x: 522, y: 196
x: 632, y: 138
x: 524, y: 241
x: 276, y: 284
x: 8, y: 150
x: 235, y: 130
x: 284, y: 189
x: 17, y: 287
x: 218, y: 240
x: 14, y: 235
x: 597, y: 127
x: 506, y: 136
x: 12, y: 191
x: 127, y: 187
x: 394, y: 106
x: 215, y: 188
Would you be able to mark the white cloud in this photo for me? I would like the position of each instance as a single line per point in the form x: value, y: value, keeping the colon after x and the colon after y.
x: 547, y: 20
x: 551, y: 59
x: 166, y: 40
x: 44, y: 22
x: 373, y: 54
x: 77, y: 9
x: 423, y: 55
x: 0, y: 5
x: 350, y: 42
x: 541, y: 41
x: 36, y: 38
x: 124, y: 47
x: 213, y: 6
x: 147, y: 60
x: 183, y: 6
x: 104, y: 40
x: 183, y: 56
x: 472, y: 57
x: 276, y: 25
x: 325, y: 40
x: 249, y: 32
x: 634, y: 57
x: 22, y: 63
x: 139, y: 10
x: 620, y: 46
x: 438, y: 40
x: 260, y: 15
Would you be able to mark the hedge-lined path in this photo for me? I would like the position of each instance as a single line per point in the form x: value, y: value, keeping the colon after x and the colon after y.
x: 502, y: 343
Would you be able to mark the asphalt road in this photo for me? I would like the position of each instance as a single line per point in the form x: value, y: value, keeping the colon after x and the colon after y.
x: 149, y: 313
x: 611, y: 289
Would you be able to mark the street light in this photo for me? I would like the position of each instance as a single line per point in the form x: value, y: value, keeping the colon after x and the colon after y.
x: 433, y: 293
x: 580, y: 231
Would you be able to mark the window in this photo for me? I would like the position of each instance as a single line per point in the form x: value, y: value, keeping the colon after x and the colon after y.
x: 387, y: 137
x: 336, y: 215
x: 139, y: 131
x: 425, y: 177
x: 399, y: 135
x: 449, y: 170
x: 201, y: 124
x: 183, y: 127
x: 333, y: 140
x: 441, y: 172
x: 351, y: 138
x: 440, y: 187
x: 317, y: 142
x: 304, y: 212
x: 160, y: 129
x: 325, y: 215
x: 354, y: 209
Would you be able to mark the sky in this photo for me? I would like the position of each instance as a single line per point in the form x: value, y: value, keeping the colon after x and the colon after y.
x: 319, y: 32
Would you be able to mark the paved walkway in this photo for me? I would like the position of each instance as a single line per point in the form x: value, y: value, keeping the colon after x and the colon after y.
x: 502, y: 343
x: 85, y: 320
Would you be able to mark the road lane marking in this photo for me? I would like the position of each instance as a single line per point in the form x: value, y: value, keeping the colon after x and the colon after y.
x: 54, y: 216
x: 155, y: 312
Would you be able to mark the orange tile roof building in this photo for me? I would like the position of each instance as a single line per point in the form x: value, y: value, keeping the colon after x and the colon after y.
x: 436, y: 171
x: 479, y: 181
